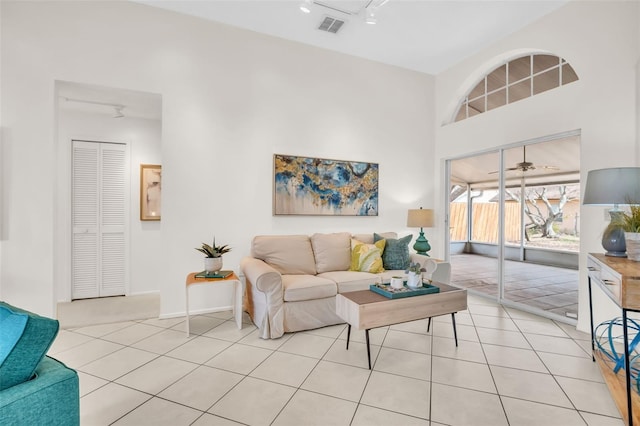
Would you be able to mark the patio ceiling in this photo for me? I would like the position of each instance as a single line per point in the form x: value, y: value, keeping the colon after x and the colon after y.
x: 554, y: 162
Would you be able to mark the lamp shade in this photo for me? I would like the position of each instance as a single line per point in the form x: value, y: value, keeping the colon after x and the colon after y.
x: 613, y: 186
x: 420, y: 218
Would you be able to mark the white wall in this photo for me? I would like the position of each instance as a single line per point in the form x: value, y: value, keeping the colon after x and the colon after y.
x: 600, y: 41
x: 143, y: 137
x: 231, y: 99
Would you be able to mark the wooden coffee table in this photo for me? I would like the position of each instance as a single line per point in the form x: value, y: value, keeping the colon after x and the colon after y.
x: 365, y: 309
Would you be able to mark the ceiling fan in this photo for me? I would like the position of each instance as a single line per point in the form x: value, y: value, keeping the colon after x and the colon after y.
x: 525, y: 165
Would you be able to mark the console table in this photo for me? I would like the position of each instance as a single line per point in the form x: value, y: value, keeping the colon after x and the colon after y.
x: 237, y: 295
x: 619, y: 278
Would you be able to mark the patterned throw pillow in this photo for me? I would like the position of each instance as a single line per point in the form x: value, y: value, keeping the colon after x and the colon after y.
x: 396, y: 252
x: 367, y: 257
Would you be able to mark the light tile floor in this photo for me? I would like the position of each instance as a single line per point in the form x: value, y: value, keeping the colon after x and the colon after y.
x: 510, y: 368
x: 547, y: 288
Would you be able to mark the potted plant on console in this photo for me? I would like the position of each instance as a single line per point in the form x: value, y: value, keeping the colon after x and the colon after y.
x: 414, y: 275
x: 630, y: 224
x: 213, y: 255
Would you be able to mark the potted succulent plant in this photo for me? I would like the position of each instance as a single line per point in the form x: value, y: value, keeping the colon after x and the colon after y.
x: 213, y: 255
x: 630, y: 224
x: 414, y: 274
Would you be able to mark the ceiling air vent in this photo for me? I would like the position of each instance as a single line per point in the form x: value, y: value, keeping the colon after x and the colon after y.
x: 331, y: 25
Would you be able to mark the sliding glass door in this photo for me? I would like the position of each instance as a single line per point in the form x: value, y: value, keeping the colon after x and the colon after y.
x: 513, y: 230
x: 473, y: 222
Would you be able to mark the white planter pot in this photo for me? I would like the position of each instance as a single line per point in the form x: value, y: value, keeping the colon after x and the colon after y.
x: 633, y: 245
x: 414, y: 280
x: 212, y: 264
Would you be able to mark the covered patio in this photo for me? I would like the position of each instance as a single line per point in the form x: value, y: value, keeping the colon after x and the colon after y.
x: 548, y: 288
x: 533, y: 227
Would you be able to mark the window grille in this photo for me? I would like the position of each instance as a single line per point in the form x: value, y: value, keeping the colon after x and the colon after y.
x: 518, y: 79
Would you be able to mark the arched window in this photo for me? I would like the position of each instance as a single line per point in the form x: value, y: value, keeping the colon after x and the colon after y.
x: 515, y: 80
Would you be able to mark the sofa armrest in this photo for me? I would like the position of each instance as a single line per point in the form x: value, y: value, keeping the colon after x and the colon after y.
x: 264, y: 298
x: 261, y: 275
x: 51, y: 397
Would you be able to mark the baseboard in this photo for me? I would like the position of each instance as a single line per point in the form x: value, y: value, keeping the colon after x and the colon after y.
x: 196, y: 312
x: 103, y: 310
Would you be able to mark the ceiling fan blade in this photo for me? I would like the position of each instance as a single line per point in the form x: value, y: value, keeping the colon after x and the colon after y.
x: 526, y: 166
x: 506, y: 170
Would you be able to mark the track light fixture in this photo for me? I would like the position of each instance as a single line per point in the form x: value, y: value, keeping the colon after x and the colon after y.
x: 118, y: 113
x: 117, y: 107
x: 369, y: 10
x: 371, y: 17
x: 305, y: 6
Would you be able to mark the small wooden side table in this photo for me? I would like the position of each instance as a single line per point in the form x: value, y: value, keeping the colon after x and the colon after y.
x: 237, y: 294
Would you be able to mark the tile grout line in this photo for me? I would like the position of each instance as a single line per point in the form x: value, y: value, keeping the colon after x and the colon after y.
x: 336, y: 340
x: 547, y: 368
x: 298, y: 388
x: 431, y: 334
x: 493, y: 379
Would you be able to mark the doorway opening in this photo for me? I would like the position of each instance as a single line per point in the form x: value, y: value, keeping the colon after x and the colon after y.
x: 103, y: 135
x: 514, y: 225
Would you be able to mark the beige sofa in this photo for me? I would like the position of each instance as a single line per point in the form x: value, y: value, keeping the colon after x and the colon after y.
x: 292, y: 280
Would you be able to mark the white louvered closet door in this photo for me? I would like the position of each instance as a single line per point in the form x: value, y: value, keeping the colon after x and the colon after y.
x: 99, y: 220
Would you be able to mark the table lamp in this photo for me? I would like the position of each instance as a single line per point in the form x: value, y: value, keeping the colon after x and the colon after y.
x: 420, y: 218
x: 613, y: 186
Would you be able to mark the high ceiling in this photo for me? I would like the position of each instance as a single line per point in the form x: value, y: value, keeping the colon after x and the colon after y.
x: 422, y: 35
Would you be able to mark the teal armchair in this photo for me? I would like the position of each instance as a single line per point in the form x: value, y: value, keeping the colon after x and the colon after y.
x: 34, y: 389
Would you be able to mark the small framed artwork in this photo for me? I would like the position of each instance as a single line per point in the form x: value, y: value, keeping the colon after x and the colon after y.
x: 150, y: 191
x: 320, y: 186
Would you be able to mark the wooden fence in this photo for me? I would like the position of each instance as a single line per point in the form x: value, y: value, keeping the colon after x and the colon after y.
x: 485, y: 220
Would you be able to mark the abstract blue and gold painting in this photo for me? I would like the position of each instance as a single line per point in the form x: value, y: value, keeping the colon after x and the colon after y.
x: 318, y: 186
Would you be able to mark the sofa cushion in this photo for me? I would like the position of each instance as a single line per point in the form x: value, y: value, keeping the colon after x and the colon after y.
x: 351, y: 280
x: 23, y: 359
x: 367, y: 257
x: 396, y: 252
x: 51, y: 398
x: 307, y: 287
x: 332, y: 251
x: 288, y: 254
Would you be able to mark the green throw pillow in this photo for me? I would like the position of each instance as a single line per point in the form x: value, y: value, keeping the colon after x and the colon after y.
x: 396, y: 252
x: 367, y: 257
